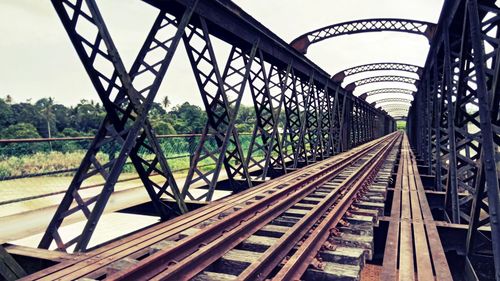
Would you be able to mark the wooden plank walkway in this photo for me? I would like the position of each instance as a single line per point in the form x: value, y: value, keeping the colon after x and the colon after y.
x: 413, y: 248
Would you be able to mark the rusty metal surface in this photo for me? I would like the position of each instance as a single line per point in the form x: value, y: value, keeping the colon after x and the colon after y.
x: 190, y: 257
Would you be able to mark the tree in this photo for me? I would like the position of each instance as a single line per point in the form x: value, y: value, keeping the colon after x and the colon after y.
x: 8, y: 99
x: 163, y: 128
x: 188, y: 118
x: 6, y: 115
x: 20, y: 131
x: 245, y: 120
x: 30, y: 114
x: 87, y: 117
x: 45, y: 106
x: 166, y: 102
x: 156, y: 111
x: 62, y: 116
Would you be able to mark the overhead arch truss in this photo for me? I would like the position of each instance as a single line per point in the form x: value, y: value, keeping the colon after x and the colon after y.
x: 341, y: 75
x: 392, y: 107
x: 423, y: 28
x: 382, y: 78
x: 453, y: 125
x: 391, y: 100
x: 386, y: 91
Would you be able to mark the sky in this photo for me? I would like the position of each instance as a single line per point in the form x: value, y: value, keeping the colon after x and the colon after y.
x: 37, y: 59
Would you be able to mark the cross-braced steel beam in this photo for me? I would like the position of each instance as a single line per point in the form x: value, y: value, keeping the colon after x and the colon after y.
x: 127, y: 98
x: 221, y: 94
x: 459, y: 140
x: 301, y: 115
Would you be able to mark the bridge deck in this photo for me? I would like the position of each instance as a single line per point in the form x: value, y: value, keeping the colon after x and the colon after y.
x: 412, y: 237
x: 345, y: 252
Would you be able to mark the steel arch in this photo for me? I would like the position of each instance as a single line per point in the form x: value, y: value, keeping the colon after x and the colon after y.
x: 382, y: 78
x: 391, y: 100
x: 341, y: 75
x: 303, y: 42
x: 403, y: 114
x: 386, y: 91
x: 390, y: 104
x: 380, y: 97
x: 396, y: 106
x: 392, y: 110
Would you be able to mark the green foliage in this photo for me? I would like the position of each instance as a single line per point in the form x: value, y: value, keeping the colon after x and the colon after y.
x: 46, y: 117
x: 41, y: 162
x: 18, y: 131
x: 87, y: 116
x: 401, y: 125
x: 188, y: 118
x: 6, y: 114
x: 163, y: 128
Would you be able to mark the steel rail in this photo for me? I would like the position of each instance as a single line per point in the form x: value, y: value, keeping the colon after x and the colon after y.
x: 98, y: 258
x: 295, y: 267
x: 272, y: 257
x: 207, y: 245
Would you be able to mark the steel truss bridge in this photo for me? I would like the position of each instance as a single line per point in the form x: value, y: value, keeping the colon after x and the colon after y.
x: 324, y: 166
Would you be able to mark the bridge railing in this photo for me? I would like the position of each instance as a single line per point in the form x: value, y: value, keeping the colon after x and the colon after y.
x: 60, y: 156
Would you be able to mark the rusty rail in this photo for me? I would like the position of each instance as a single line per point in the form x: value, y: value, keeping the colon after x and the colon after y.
x: 195, y: 253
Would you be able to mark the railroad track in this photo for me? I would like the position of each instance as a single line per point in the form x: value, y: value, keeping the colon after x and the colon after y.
x: 307, y: 208
x: 278, y: 230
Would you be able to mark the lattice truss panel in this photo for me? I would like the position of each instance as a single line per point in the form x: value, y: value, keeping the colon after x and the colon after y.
x: 221, y: 94
x: 265, y: 150
x: 295, y: 138
x: 462, y: 138
x: 127, y: 97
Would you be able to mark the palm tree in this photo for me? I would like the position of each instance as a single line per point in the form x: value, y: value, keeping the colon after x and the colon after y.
x: 45, y: 107
x: 165, y: 102
x: 8, y: 99
x: 48, y: 114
